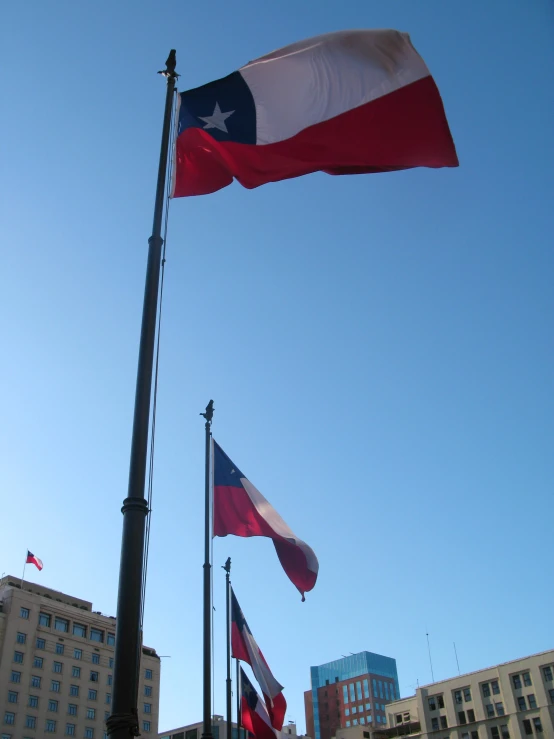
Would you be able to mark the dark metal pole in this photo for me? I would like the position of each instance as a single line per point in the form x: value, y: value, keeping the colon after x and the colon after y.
x: 239, y: 697
x: 123, y: 723
x: 207, y: 719
x: 227, y: 569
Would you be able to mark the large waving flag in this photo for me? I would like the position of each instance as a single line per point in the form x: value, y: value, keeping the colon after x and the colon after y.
x: 244, y: 647
x: 350, y: 102
x: 254, y: 716
x: 240, y: 509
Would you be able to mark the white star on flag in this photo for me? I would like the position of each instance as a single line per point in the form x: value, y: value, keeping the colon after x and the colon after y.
x: 217, y: 119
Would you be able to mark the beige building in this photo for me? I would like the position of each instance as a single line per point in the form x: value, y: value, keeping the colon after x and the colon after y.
x: 56, y: 666
x: 514, y: 700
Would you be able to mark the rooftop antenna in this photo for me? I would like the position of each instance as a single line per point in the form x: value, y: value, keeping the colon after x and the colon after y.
x: 430, y: 661
x: 456, y: 653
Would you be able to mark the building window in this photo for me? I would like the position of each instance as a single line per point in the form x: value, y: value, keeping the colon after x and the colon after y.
x: 15, y: 677
x: 18, y: 657
x: 93, y: 676
x: 110, y: 640
x: 495, y: 687
x: 89, y: 732
x: 95, y: 658
x: 490, y: 710
x: 57, y: 667
x: 75, y: 671
x: 70, y: 729
x: 521, y: 703
x: 516, y: 680
x: 355, y: 722
x: 434, y: 723
x: 50, y: 726
x: 110, y: 662
x: 77, y: 654
x: 462, y: 717
x: 368, y: 706
x: 37, y: 662
x: 432, y: 704
x: 55, y: 686
x: 499, y: 708
x: 551, y: 694
x: 359, y: 690
x: 92, y: 694
x: 9, y: 718
x: 109, y: 680
x: 398, y: 718
x: 467, y: 695
x: 470, y: 715
x: 21, y: 637
x: 495, y: 734
x: 44, y: 619
x: 547, y: 672
x: 40, y: 644
x: 354, y: 709
x: 444, y: 722
x: 350, y: 688
x: 79, y: 630
x: 344, y: 694
x: 440, y: 701
x: 109, y: 700
x: 527, y: 679
x: 6, y: 736
x: 505, y: 734
x: 24, y: 613
x: 148, y: 676
x: 53, y: 706
x: 74, y: 690
x: 366, y: 688
x: 12, y: 696
x: 147, y: 708
x: 486, y: 689
x: 347, y: 724
x: 61, y: 624
x: 362, y: 720
x: 35, y: 681
x: 91, y: 713
x: 30, y: 722
x: 527, y: 727
x: 347, y: 712
x: 532, y: 700
x: 33, y: 701
x: 458, y: 696
x: 146, y: 725
x: 538, y: 725
x: 72, y: 709
x: 60, y: 648
x: 96, y: 635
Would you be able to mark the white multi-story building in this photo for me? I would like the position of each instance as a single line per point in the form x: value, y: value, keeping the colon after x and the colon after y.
x: 514, y: 700
x: 56, y: 665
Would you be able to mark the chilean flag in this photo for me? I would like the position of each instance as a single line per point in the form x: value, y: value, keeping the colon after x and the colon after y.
x: 254, y: 716
x: 31, y: 559
x: 240, y: 509
x: 244, y: 647
x: 349, y: 102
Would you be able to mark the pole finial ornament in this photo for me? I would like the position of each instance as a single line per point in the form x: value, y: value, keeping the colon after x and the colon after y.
x: 170, y: 64
x: 209, y: 412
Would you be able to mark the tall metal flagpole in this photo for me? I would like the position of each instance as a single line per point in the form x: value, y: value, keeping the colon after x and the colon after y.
x: 123, y: 722
x: 207, y: 717
x: 227, y: 568
x: 239, y: 696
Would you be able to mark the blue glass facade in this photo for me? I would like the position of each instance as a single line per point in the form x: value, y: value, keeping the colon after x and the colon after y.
x: 346, y: 668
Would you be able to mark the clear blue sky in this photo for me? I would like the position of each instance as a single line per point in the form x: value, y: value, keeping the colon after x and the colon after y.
x: 379, y: 347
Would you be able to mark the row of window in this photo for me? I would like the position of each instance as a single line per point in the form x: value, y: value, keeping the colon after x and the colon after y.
x: 49, y: 725
x: 77, y: 629
x: 40, y: 643
x: 362, y: 721
x: 360, y: 709
x: 381, y: 689
x: 13, y: 696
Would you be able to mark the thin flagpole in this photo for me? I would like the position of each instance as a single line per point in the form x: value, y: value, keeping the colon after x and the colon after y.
x: 123, y: 721
x: 239, y: 718
x: 24, y: 566
x: 227, y: 568
x: 207, y: 718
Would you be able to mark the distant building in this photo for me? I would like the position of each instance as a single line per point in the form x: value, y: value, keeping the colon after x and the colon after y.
x: 56, y: 666
x: 350, y: 692
x: 219, y: 730
x: 509, y: 701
